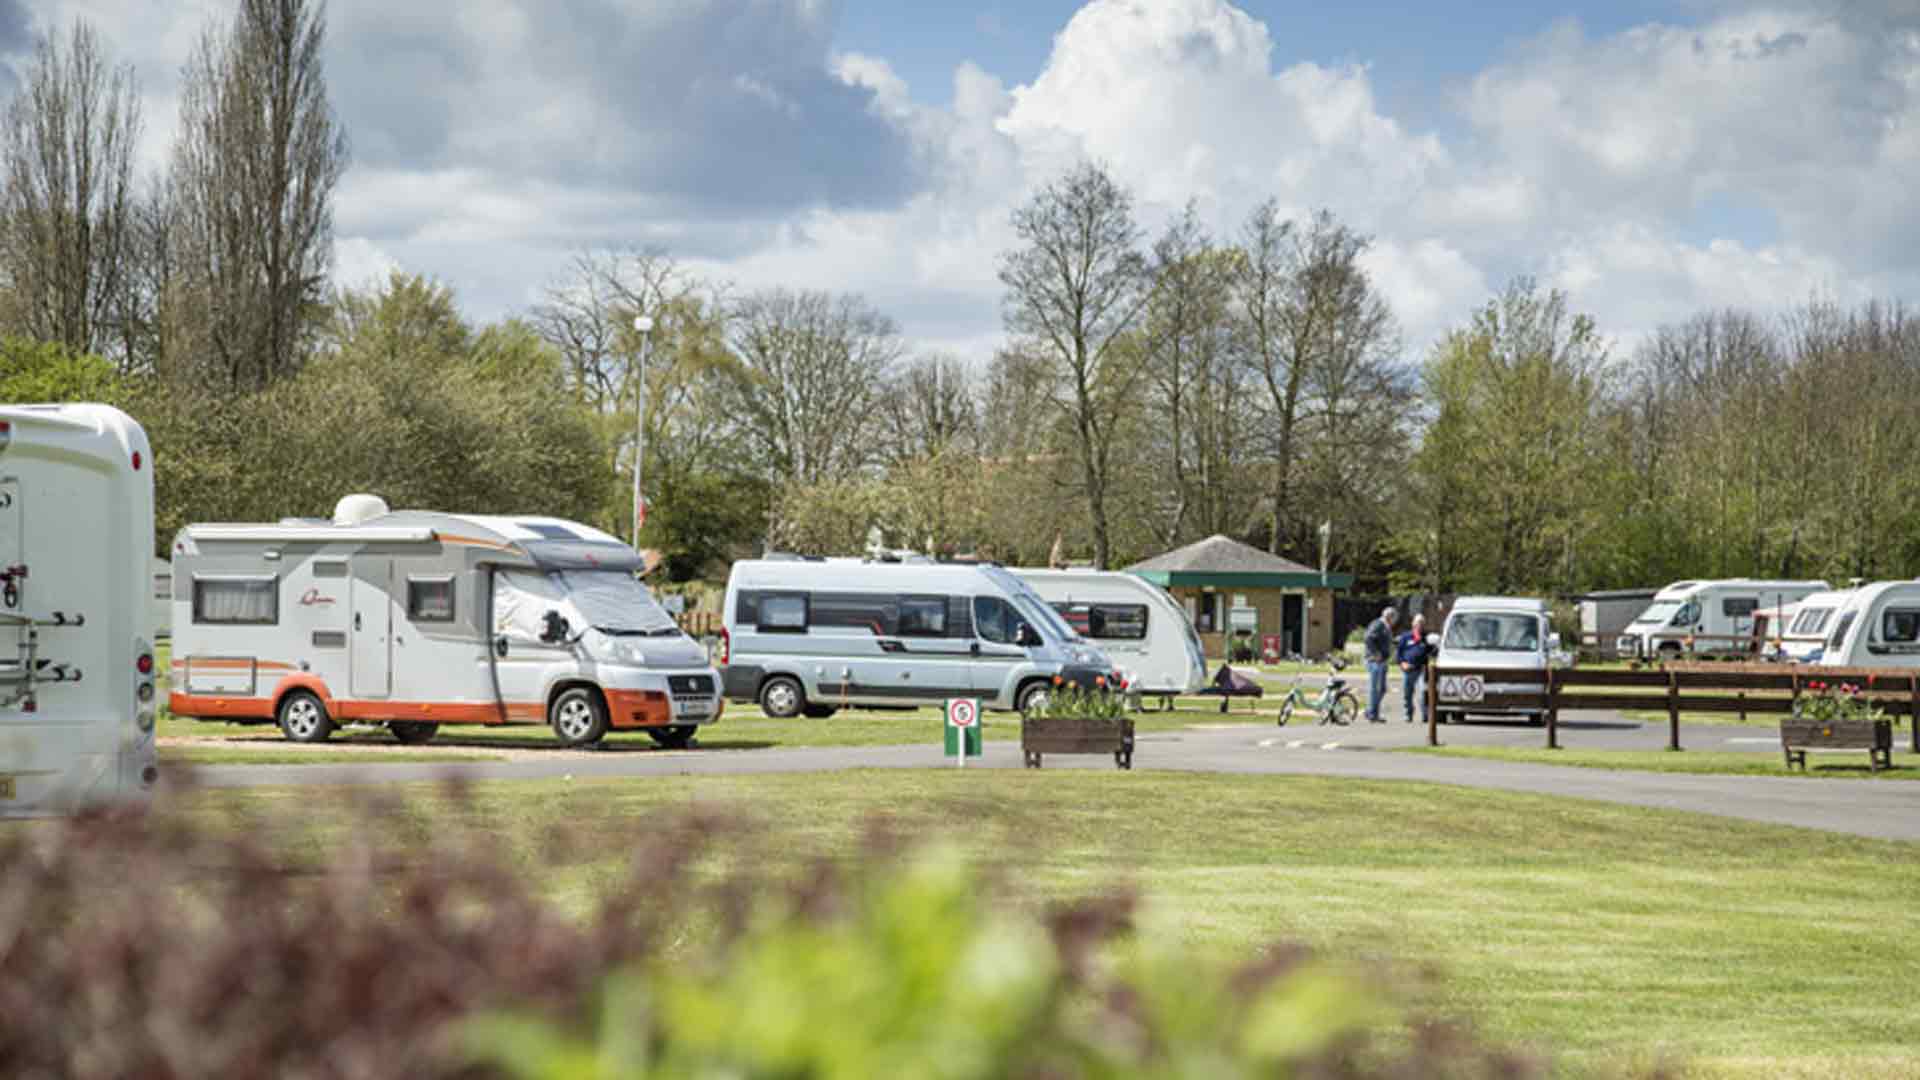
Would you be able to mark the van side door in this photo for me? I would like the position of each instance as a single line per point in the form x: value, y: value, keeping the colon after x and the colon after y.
x: 999, y: 660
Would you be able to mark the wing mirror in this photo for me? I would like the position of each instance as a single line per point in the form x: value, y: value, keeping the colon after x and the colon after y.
x: 500, y: 646
x: 554, y: 628
x: 1026, y: 637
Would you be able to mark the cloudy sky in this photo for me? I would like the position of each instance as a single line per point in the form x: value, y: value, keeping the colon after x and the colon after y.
x: 1652, y: 158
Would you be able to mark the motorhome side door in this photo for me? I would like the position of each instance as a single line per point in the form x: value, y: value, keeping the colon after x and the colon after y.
x: 372, y: 627
x: 11, y: 555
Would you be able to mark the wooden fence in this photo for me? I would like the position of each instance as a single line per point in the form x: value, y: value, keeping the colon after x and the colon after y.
x: 1740, y: 689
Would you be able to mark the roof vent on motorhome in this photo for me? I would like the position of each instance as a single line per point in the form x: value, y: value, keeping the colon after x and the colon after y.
x: 359, y: 509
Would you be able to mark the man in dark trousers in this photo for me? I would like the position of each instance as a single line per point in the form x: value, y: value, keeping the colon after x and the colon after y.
x: 1415, y: 657
x: 1379, y: 646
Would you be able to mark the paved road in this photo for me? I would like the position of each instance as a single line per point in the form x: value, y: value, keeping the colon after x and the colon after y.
x: 1884, y: 809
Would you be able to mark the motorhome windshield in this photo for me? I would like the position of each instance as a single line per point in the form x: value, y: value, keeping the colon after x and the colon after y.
x: 1040, y: 613
x: 1493, y: 632
x: 614, y: 602
x: 1658, y: 614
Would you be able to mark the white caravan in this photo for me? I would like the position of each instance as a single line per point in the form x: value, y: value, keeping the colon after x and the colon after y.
x: 809, y: 636
x: 1488, y: 634
x: 1805, y: 637
x: 1713, y: 610
x: 1879, y: 626
x: 1140, y: 627
x: 76, y: 651
x: 417, y: 619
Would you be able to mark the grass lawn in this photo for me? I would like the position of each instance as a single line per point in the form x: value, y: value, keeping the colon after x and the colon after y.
x: 1619, y: 937
x: 1719, y: 762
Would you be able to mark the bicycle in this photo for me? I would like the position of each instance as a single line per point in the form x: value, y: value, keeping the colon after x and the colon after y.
x: 1335, y: 705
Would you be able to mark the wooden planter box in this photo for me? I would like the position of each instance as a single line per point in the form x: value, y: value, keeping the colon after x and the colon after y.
x: 1799, y: 736
x: 1041, y: 735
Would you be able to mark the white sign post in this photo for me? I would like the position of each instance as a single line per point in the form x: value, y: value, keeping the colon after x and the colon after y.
x: 963, y: 730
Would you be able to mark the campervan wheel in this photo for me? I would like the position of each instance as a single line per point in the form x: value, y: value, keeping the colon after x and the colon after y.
x: 578, y: 717
x: 303, y: 719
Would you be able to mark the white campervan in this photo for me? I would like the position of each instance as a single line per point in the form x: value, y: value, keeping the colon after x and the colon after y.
x: 1489, y: 634
x: 1714, y: 611
x: 1140, y: 627
x: 417, y: 619
x: 76, y: 648
x: 809, y: 636
x: 1879, y: 626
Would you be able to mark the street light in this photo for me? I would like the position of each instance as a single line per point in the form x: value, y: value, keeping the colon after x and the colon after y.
x: 643, y: 325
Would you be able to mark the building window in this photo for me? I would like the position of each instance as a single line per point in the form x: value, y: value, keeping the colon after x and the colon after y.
x: 236, y: 601
x: 430, y: 599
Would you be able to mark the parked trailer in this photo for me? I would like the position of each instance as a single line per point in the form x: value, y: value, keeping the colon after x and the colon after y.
x: 417, y: 619
x: 76, y: 652
x: 1878, y: 627
x: 1707, y: 616
x: 1141, y: 629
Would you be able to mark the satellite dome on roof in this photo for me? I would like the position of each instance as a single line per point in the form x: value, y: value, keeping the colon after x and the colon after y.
x: 359, y: 509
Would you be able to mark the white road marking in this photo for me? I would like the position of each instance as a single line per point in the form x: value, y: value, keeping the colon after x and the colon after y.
x: 1330, y: 746
x: 1771, y: 741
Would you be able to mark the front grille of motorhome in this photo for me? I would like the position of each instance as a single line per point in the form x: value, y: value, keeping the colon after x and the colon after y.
x: 691, y: 684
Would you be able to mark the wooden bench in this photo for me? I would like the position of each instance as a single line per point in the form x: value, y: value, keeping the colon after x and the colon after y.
x: 1800, y: 737
x: 1042, y: 735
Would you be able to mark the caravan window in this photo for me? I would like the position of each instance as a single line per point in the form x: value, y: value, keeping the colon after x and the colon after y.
x: 1811, y: 621
x: 430, y: 599
x: 236, y: 601
x: 923, y: 616
x: 1106, y: 622
x: 1900, y: 626
x: 1839, y: 637
x: 785, y: 613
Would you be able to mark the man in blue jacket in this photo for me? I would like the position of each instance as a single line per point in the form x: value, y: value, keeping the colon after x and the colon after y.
x: 1415, y: 657
x: 1379, y: 646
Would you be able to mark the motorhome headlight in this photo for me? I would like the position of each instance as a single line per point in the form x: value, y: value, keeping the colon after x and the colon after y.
x: 1090, y: 657
x: 624, y: 651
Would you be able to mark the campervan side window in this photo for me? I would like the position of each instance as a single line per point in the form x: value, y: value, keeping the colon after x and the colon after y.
x: 1738, y: 607
x: 329, y: 568
x: 784, y: 613
x: 923, y: 616
x: 430, y: 599
x: 995, y: 620
x: 236, y: 601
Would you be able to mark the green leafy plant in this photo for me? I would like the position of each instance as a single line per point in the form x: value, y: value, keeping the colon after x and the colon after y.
x: 1103, y: 701
x: 1836, y: 703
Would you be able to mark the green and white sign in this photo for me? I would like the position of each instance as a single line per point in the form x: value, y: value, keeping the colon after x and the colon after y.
x: 963, y: 729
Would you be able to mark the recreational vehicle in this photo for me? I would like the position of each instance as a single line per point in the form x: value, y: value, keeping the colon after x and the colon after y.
x: 416, y: 619
x: 1805, y: 637
x: 1135, y: 622
x: 1878, y: 626
x: 810, y: 636
x: 76, y: 650
x: 1706, y: 616
x: 1490, y: 634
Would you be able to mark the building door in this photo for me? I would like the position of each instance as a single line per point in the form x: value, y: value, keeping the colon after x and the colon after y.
x: 372, y: 591
x: 1293, y: 622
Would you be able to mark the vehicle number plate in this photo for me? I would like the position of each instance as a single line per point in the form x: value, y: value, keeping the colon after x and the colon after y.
x: 695, y: 708
x: 6, y: 787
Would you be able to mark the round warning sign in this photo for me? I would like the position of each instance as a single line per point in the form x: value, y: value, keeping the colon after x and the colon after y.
x: 963, y: 712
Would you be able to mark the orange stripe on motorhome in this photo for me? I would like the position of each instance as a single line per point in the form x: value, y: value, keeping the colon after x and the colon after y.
x: 469, y: 541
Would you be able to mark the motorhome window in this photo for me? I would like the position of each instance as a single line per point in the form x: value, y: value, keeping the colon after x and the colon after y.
x: 995, y: 620
x: 1810, y: 621
x: 1839, y: 636
x: 1493, y: 633
x: 430, y: 599
x: 329, y: 568
x: 1900, y: 626
x: 923, y: 616
x: 236, y: 601
x: 1688, y: 615
x: 785, y: 613
x: 1738, y: 607
x: 870, y: 612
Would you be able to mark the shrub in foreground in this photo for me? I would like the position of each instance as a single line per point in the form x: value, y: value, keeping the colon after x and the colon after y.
x: 166, y: 947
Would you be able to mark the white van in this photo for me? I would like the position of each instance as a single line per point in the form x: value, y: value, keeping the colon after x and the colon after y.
x: 809, y: 636
x: 1714, y: 610
x: 1134, y: 622
x: 417, y: 619
x: 1494, y: 633
x: 1878, y: 627
x: 77, y: 693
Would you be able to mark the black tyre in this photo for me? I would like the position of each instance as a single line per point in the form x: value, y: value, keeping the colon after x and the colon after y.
x: 578, y: 717
x: 782, y: 698
x: 678, y: 737
x: 1032, y: 697
x: 413, y: 732
x: 303, y: 719
x: 819, y: 712
x: 1286, y: 712
x: 1344, y: 708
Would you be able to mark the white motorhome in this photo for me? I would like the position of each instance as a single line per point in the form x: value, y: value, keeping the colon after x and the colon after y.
x: 809, y: 636
x: 76, y: 650
x: 1879, y: 626
x: 1138, y: 626
x: 1707, y: 614
x: 1490, y: 634
x: 416, y: 619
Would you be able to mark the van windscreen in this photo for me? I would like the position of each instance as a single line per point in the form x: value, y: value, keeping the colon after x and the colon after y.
x: 1493, y: 632
x: 614, y: 602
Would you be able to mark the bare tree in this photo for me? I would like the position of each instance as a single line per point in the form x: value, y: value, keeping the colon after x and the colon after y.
x: 811, y: 367
x: 255, y: 165
x: 66, y: 201
x: 927, y: 409
x: 1074, y: 289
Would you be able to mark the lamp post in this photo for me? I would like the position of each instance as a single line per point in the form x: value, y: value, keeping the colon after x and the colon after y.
x: 644, y: 326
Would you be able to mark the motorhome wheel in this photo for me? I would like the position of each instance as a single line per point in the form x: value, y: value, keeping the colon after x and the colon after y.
x: 782, y: 698
x: 577, y: 717
x: 303, y: 719
x: 413, y: 732
x: 678, y: 737
x: 1033, y: 698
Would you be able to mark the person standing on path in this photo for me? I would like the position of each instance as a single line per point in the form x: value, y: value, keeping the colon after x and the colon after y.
x: 1379, y: 646
x: 1415, y: 657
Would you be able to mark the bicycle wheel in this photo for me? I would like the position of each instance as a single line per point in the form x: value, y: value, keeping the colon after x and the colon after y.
x: 1286, y: 710
x: 1344, y: 708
